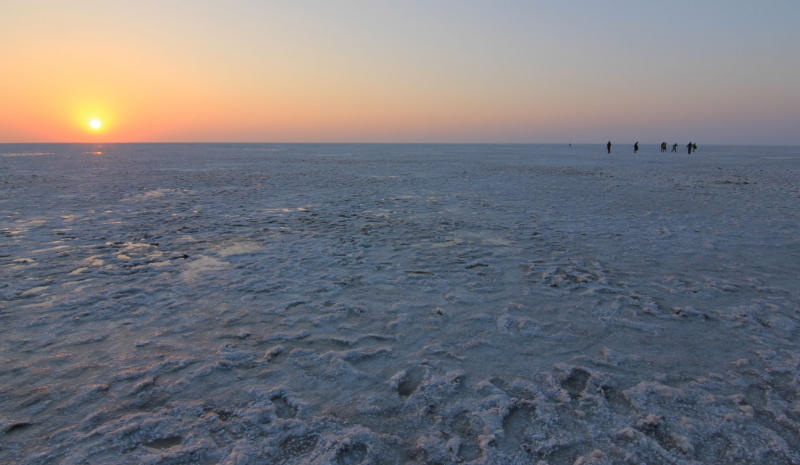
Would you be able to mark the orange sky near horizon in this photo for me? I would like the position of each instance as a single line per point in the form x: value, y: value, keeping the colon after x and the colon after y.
x: 152, y: 98
x: 413, y: 71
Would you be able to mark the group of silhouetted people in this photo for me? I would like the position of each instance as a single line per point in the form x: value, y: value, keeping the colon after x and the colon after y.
x: 690, y: 147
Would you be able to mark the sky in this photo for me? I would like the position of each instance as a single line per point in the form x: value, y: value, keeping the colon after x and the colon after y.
x: 499, y: 71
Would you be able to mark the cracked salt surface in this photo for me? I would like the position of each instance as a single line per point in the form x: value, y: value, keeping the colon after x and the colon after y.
x: 384, y: 304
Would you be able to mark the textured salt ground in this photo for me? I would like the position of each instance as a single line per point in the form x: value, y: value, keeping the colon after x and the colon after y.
x: 398, y: 304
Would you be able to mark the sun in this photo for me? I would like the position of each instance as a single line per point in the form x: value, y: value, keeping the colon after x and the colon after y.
x: 95, y: 124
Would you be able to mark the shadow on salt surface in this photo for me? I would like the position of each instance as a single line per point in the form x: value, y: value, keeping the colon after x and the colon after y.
x: 160, y: 444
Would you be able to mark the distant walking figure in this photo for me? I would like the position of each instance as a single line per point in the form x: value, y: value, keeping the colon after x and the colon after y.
x: 675, y: 147
x: 689, y: 146
x: 663, y: 146
x: 636, y: 147
x: 608, y: 146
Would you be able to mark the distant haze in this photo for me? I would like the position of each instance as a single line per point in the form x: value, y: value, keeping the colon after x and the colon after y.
x: 715, y: 72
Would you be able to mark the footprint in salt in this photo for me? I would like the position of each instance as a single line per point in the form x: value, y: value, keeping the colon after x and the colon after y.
x: 410, y: 381
x: 283, y: 409
x: 519, y: 419
x: 468, y: 448
x: 351, y: 455
x: 298, y: 446
x: 575, y: 382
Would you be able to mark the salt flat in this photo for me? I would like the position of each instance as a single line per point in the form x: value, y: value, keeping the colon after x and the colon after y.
x: 383, y: 304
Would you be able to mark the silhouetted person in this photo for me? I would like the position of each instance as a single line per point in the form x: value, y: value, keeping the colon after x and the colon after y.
x: 689, y: 146
x: 636, y: 147
x: 675, y: 147
x: 608, y: 146
x: 694, y: 148
x: 663, y: 146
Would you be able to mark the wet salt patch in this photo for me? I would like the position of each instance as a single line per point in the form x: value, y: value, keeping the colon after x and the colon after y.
x: 51, y: 249
x: 148, y: 195
x: 285, y: 210
x: 33, y: 291
x: 194, y: 269
x: 241, y: 248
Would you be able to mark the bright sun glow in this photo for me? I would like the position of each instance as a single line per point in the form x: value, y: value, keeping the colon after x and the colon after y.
x: 95, y: 124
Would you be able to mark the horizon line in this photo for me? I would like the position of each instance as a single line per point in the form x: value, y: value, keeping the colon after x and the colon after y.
x: 401, y: 143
